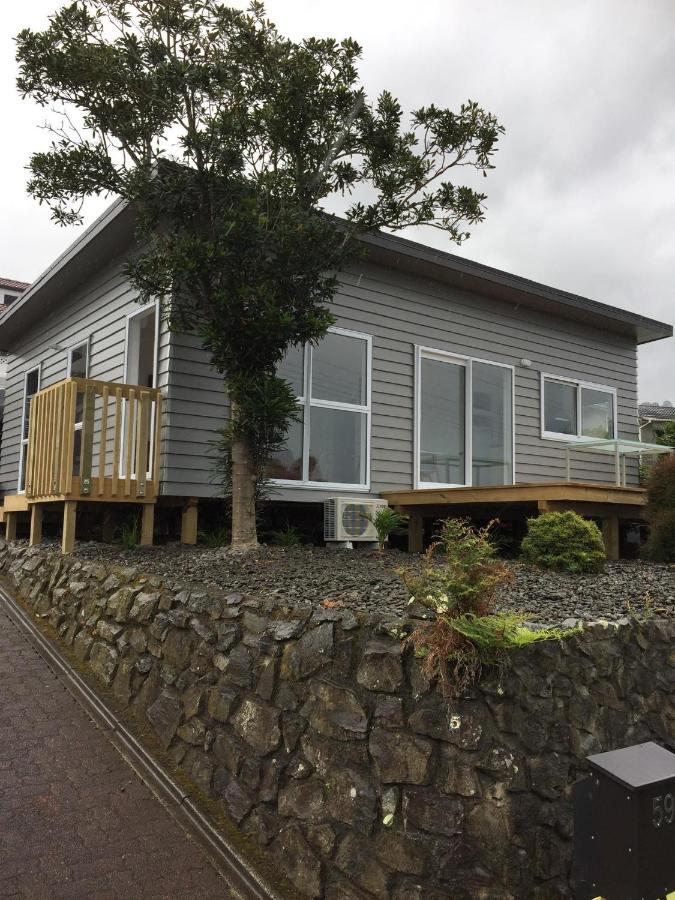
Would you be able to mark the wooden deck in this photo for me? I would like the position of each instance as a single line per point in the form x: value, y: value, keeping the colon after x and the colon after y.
x: 93, y: 441
x: 609, y: 503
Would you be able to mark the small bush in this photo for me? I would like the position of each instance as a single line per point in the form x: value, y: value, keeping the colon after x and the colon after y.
x: 459, y: 581
x: 386, y: 521
x: 219, y: 537
x: 130, y: 534
x: 287, y: 537
x: 563, y: 541
x: 661, y: 511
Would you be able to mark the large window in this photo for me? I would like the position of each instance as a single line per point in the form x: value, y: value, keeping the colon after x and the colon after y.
x: 329, y: 445
x: 576, y: 409
x: 31, y: 385
x: 464, y: 421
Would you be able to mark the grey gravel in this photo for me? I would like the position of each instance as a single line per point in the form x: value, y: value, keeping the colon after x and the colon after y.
x: 367, y: 581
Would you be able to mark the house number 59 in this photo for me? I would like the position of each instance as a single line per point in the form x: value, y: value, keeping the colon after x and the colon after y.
x: 663, y: 810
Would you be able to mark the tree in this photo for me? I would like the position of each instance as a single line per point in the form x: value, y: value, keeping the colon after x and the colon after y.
x: 228, y: 137
x: 665, y: 434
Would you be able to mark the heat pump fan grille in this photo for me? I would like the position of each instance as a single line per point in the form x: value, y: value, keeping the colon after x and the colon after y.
x: 354, y: 521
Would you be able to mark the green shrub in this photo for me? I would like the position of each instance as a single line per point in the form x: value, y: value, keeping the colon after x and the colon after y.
x: 459, y: 580
x: 386, y: 521
x: 130, y: 534
x: 563, y: 541
x: 287, y: 537
x: 661, y: 511
x: 219, y: 537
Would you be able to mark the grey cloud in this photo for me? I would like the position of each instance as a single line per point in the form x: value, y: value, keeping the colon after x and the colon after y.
x: 583, y: 196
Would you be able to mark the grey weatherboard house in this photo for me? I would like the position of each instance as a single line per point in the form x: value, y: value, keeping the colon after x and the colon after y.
x: 440, y: 374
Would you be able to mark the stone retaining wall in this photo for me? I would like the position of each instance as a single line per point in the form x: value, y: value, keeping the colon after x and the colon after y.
x: 322, y: 739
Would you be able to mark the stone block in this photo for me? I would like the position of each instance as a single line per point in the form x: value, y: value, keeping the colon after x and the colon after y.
x: 352, y: 799
x: 303, y: 800
x: 192, y: 732
x: 357, y: 859
x: 381, y: 667
x: 400, y: 757
x: 165, y: 715
x: 144, y: 607
x: 301, y: 865
x: 426, y: 810
x: 103, y: 661
x: 312, y: 652
x: 221, y: 702
x: 178, y: 647
x: 336, y: 712
x: 258, y: 724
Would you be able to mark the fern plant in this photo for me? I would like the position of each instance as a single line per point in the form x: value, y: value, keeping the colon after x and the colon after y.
x: 386, y: 521
x: 459, y: 581
x: 130, y: 534
x: 287, y: 537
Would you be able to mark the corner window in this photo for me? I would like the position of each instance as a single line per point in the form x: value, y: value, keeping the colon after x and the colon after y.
x: 329, y: 445
x: 78, y: 361
x: 31, y: 385
x: 464, y: 421
x: 575, y: 409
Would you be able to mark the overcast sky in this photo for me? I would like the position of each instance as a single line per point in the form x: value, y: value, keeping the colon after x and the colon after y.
x: 583, y: 196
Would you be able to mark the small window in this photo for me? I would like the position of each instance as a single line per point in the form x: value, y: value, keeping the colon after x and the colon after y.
x: 78, y: 361
x: 573, y: 409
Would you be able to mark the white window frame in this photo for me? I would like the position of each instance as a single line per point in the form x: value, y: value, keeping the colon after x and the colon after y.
x: 69, y: 355
x: 23, y: 444
x: 579, y: 384
x: 422, y: 352
x: 141, y: 311
x: 306, y: 402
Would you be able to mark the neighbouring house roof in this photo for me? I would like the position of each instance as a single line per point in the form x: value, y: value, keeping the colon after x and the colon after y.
x: 11, y: 285
x: 658, y: 411
x: 113, y: 232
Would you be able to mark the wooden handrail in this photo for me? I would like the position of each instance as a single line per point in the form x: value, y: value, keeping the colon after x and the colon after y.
x: 118, y: 452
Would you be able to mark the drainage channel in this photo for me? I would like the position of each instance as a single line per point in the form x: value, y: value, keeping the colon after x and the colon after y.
x: 226, y: 858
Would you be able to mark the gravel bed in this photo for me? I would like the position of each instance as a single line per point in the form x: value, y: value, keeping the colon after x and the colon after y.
x: 367, y: 581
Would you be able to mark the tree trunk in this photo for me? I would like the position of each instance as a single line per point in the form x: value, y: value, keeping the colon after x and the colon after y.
x: 244, y: 532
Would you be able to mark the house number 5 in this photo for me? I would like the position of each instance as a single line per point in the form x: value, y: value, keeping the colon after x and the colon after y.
x: 663, y: 810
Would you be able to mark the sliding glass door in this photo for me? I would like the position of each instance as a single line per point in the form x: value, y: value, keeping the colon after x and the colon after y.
x: 442, y: 405
x: 464, y: 421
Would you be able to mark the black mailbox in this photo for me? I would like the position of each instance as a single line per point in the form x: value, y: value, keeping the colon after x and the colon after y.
x: 624, y: 825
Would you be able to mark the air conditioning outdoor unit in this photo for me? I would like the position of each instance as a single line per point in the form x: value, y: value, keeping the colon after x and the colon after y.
x: 344, y: 519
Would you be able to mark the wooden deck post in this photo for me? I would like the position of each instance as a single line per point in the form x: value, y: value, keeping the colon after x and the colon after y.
x: 188, y: 522
x: 415, y: 532
x: 36, y: 511
x: 147, y: 524
x: 610, y: 535
x: 69, y: 518
x: 10, y: 526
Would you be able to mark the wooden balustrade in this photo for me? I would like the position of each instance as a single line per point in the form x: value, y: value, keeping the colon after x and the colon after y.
x: 93, y: 440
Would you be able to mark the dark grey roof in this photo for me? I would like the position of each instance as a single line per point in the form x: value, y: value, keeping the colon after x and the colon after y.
x: 656, y: 411
x: 513, y: 289
x: 113, y: 232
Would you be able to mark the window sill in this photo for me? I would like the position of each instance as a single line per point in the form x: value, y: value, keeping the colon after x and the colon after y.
x: 571, y: 438
x: 319, y: 485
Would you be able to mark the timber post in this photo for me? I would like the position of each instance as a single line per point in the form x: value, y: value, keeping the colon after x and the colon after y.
x: 69, y: 519
x: 36, y: 512
x: 188, y: 523
x: 147, y: 524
